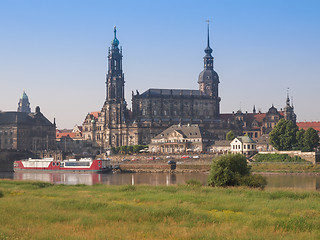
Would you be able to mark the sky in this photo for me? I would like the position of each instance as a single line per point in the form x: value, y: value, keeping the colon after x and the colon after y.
x: 56, y: 50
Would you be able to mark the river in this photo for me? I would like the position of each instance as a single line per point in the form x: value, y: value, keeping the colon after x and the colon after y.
x: 294, y: 181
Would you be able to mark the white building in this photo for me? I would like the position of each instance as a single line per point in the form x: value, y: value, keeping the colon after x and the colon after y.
x: 243, y: 145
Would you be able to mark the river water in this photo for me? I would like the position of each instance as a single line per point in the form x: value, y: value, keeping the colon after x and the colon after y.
x: 295, y: 181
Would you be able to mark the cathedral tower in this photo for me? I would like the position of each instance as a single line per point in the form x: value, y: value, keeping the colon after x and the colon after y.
x: 115, y: 76
x: 115, y: 107
x: 24, y: 104
x: 208, y: 79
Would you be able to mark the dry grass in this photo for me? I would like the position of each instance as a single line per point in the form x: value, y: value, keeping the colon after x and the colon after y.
x: 35, y: 211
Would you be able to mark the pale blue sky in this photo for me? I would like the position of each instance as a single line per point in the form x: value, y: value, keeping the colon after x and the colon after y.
x: 57, y: 51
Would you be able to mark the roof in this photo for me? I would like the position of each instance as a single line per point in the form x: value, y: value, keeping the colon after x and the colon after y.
x: 245, y: 139
x: 24, y: 118
x: 66, y: 134
x: 168, y: 92
x: 306, y: 125
x: 221, y: 143
x: 188, y: 131
x: 95, y: 114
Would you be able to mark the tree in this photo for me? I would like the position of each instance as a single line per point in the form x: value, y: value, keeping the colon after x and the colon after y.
x: 283, y: 135
x: 230, y: 135
x: 227, y: 170
x: 310, y: 140
x: 232, y: 170
x: 300, y: 138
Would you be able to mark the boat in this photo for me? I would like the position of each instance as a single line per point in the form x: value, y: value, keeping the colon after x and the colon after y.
x: 49, y: 164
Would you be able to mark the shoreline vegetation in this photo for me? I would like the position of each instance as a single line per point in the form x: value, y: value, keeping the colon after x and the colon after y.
x: 38, y: 210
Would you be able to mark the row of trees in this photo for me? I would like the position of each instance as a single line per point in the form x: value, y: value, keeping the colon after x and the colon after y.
x: 128, y: 149
x: 287, y: 136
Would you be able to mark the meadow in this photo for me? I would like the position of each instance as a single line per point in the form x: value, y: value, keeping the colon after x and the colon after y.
x: 37, y: 210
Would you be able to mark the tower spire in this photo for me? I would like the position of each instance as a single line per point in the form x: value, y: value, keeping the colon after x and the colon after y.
x: 115, y: 41
x: 288, y: 99
x: 208, y: 49
x: 208, y: 41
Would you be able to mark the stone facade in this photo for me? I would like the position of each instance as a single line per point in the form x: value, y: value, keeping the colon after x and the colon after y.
x: 26, y: 131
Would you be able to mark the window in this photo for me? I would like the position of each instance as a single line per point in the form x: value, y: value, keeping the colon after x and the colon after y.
x: 244, y: 146
x: 248, y: 146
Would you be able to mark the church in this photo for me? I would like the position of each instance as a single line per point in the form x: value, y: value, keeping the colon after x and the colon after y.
x: 155, y: 110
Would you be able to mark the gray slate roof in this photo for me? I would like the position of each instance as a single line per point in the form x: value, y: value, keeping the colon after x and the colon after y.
x: 7, y: 118
x: 188, y: 131
x: 169, y: 92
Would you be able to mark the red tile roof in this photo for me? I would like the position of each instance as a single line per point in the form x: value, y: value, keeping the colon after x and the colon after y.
x: 66, y: 134
x: 95, y: 114
x: 306, y: 125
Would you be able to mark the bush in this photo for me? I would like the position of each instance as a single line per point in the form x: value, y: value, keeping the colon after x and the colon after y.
x: 233, y: 170
x: 227, y: 170
x: 253, y: 181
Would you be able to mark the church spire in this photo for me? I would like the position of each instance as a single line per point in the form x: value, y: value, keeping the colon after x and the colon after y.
x: 115, y: 41
x: 208, y: 59
x: 288, y: 99
x: 208, y: 50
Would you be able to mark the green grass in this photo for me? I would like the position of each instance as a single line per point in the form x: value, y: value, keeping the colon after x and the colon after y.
x: 285, y: 167
x: 32, y: 210
x: 275, y: 157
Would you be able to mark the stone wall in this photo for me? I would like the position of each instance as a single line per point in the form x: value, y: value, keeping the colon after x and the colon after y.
x: 313, y: 157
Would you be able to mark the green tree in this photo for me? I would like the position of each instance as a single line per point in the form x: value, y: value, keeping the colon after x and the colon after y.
x: 283, y: 135
x: 310, y: 140
x: 227, y: 170
x: 230, y: 135
x: 300, y: 138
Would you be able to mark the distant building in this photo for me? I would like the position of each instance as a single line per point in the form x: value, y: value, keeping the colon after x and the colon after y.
x: 26, y: 131
x: 180, y: 139
x: 306, y: 125
x: 24, y: 104
x: 257, y: 124
x: 243, y: 145
x: 71, y: 141
x: 220, y: 147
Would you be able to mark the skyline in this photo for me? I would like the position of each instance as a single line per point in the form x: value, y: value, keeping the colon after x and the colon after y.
x: 57, y: 53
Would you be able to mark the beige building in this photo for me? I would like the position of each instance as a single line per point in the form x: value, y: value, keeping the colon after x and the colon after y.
x: 180, y: 139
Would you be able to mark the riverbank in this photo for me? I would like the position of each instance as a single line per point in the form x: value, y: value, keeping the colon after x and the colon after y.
x: 146, y: 212
x: 191, y: 166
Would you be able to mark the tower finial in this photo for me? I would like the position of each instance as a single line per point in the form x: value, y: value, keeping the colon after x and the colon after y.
x: 208, y: 41
x: 208, y: 50
x: 115, y: 41
x: 288, y: 99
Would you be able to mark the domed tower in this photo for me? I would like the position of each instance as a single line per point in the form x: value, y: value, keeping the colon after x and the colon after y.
x: 208, y: 78
x: 24, y: 104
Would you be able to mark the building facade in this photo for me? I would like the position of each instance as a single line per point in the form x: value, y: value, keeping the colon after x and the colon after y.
x: 26, y: 131
x: 180, y: 139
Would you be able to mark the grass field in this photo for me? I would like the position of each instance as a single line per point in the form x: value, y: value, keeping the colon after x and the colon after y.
x: 33, y: 210
x: 285, y: 167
